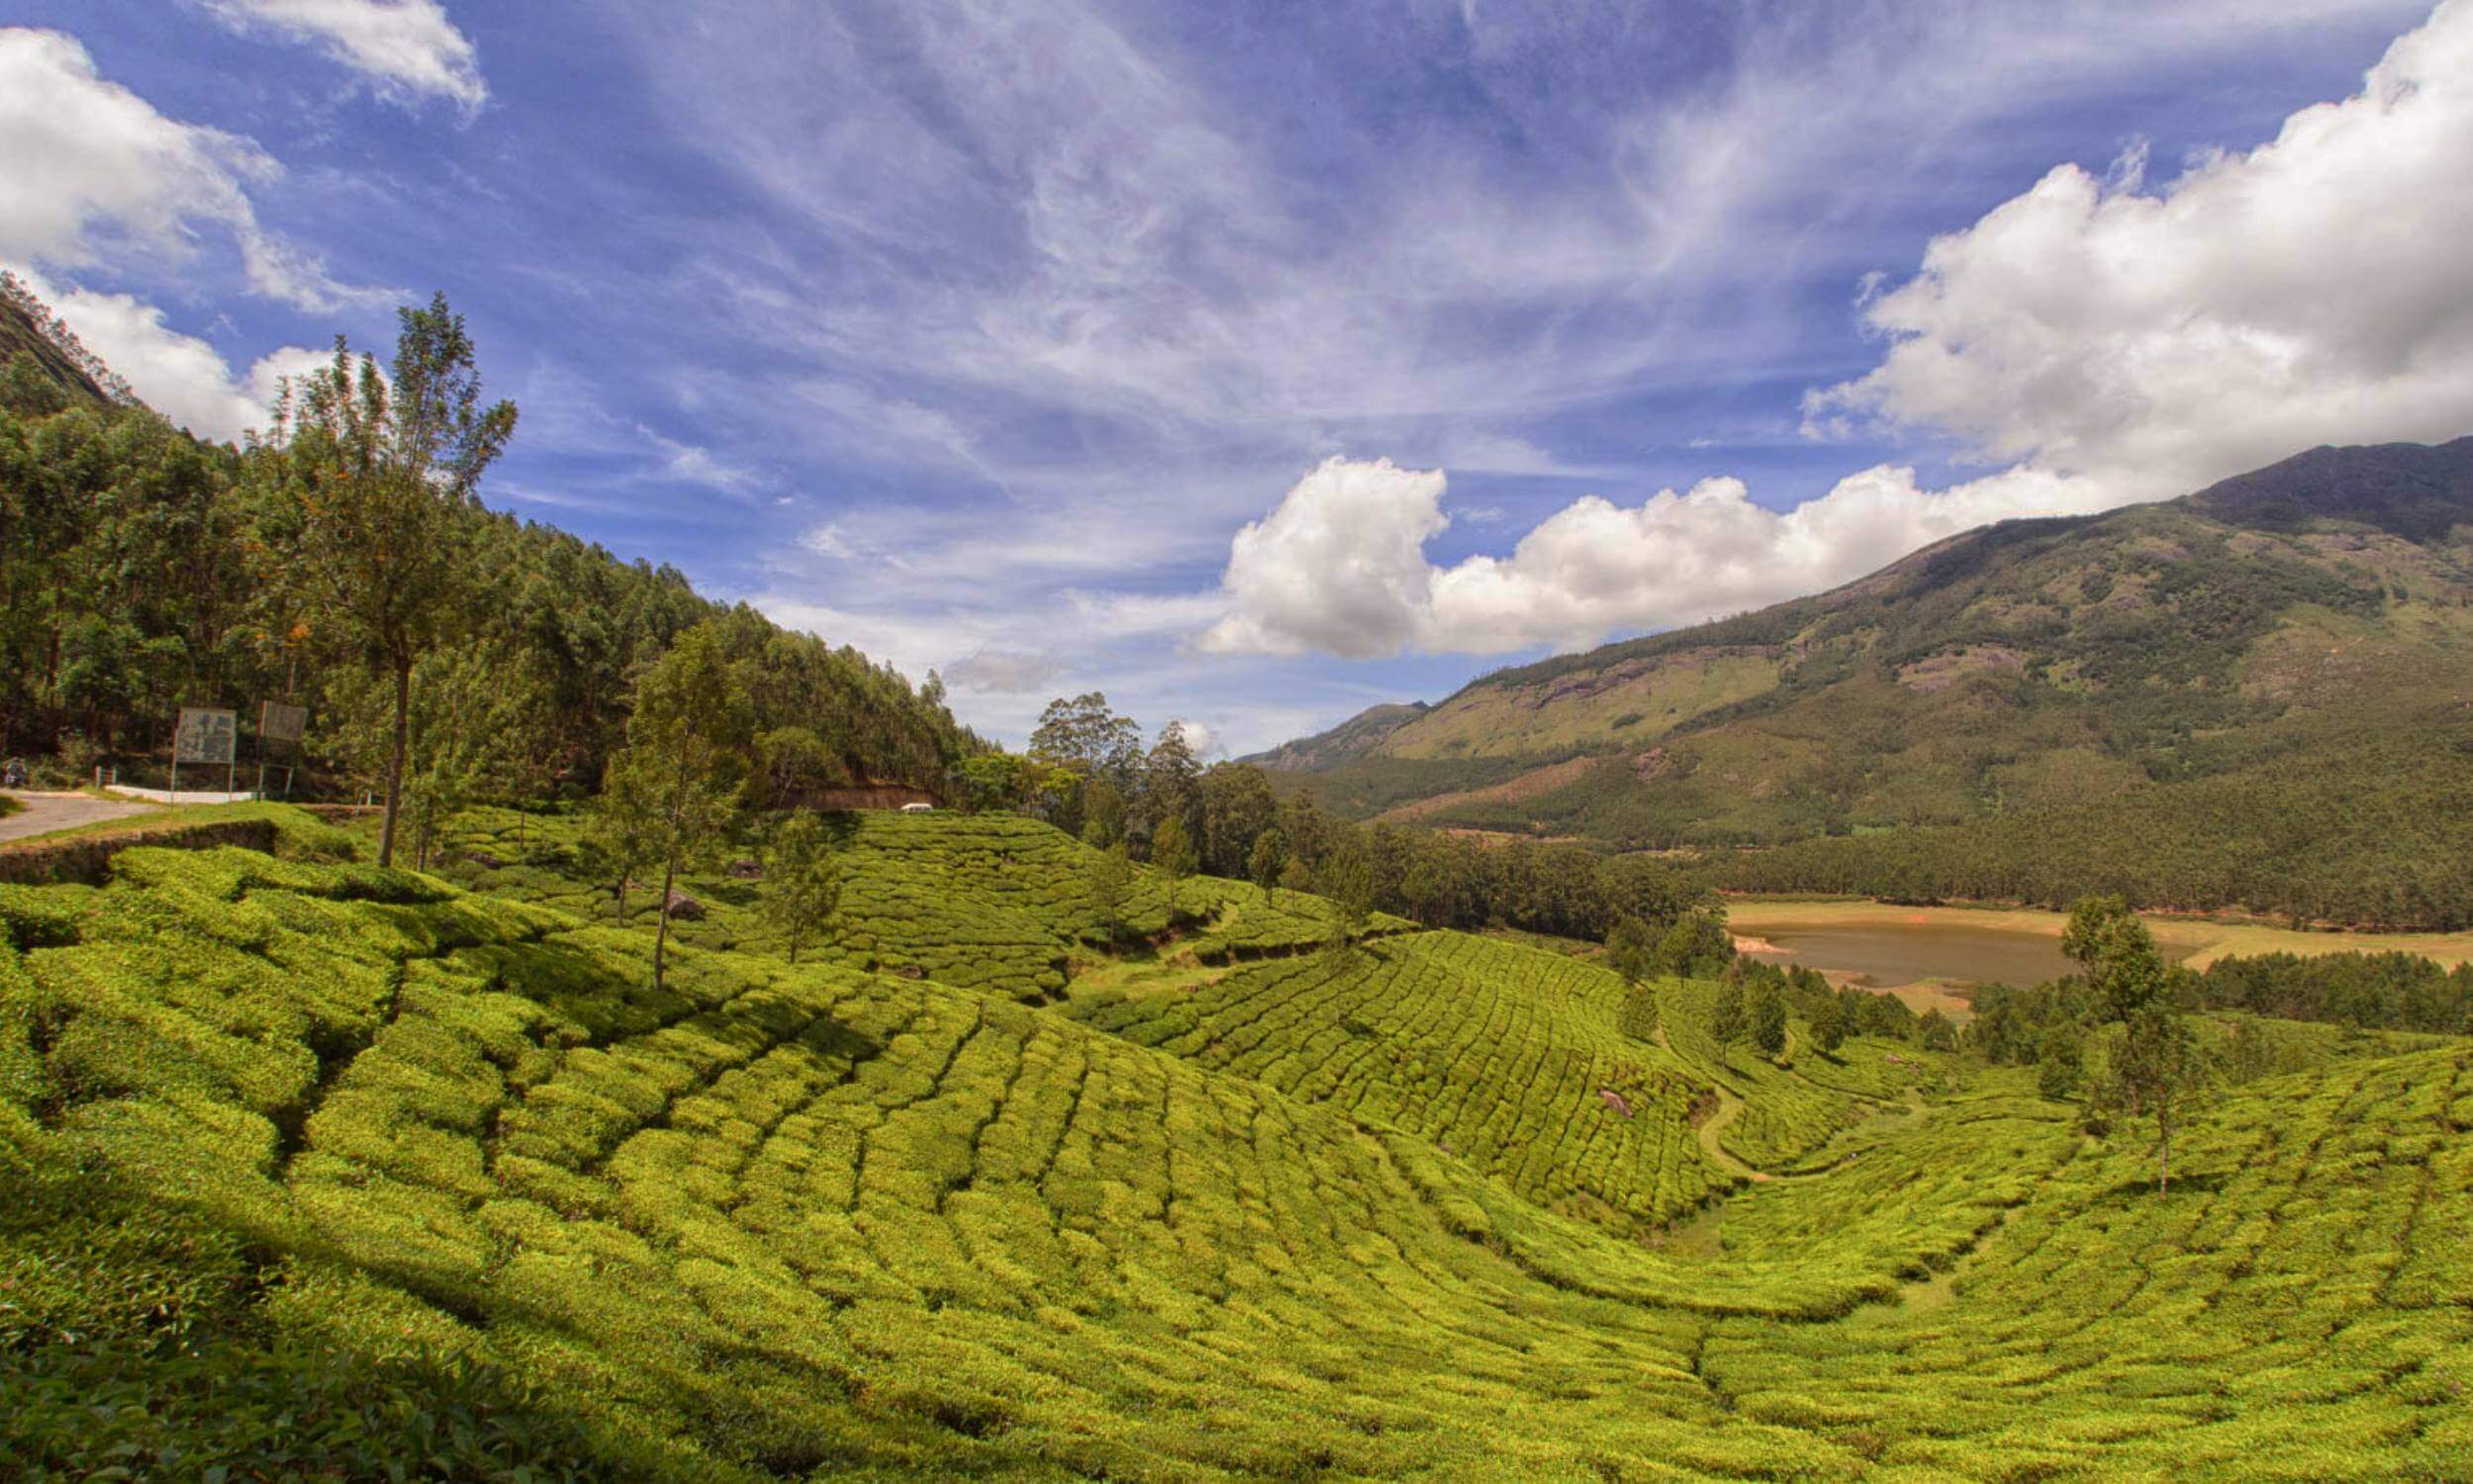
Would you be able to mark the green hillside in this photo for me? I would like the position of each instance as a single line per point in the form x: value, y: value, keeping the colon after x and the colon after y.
x: 33, y: 337
x: 312, y: 1161
x: 144, y: 570
x: 2097, y: 664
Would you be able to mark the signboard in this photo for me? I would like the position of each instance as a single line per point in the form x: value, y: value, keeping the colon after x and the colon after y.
x: 204, y: 736
x: 278, y: 723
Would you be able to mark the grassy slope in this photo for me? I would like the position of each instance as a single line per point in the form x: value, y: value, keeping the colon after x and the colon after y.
x: 774, y: 1220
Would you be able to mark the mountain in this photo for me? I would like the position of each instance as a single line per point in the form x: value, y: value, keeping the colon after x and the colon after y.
x: 1359, y: 735
x: 2027, y: 666
x: 28, y: 327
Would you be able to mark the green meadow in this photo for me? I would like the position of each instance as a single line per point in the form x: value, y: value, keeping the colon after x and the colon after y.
x: 317, y: 1169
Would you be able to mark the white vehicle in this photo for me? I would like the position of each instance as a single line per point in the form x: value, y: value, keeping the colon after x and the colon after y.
x: 918, y: 808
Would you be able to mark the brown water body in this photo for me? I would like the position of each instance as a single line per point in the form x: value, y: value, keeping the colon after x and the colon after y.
x: 1886, y: 956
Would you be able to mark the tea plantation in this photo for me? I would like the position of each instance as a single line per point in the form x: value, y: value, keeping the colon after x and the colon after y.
x: 317, y: 1170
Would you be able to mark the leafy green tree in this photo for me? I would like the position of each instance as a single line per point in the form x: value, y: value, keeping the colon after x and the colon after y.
x: 382, y: 473
x: 478, y: 730
x: 1697, y: 946
x: 1102, y: 813
x: 682, y: 774
x: 2115, y: 953
x: 1639, y: 1013
x: 1085, y: 737
x: 801, y: 881
x: 1267, y: 859
x: 1171, y: 854
x: 1238, y: 808
x: 1630, y: 952
x: 617, y: 839
x: 991, y: 780
x: 1345, y: 877
x: 1829, y: 1024
x: 794, y: 765
x: 1112, y: 886
x: 1171, y: 786
x: 1764, y: 1017
x: 2245, y: 1055
x: 1936, y: 1032
x: 2156, y: 1070
x: 1087, y: 734
x: 1295, y: 874
x: 1727, y: 1019
x: 2060, y: 1062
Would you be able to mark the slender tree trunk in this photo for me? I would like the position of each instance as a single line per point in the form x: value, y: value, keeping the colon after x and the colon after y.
x: 395, y: 757
x: 661, y: 933
x: 623, y: 876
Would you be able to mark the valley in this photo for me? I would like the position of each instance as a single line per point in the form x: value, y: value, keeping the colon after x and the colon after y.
x: 1417, y: 1208
x: 2177, y: 699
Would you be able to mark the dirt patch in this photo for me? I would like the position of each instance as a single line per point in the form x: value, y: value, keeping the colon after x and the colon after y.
x: 1939, y: 671
x: 1528, y: 784
x: 1655, y: 764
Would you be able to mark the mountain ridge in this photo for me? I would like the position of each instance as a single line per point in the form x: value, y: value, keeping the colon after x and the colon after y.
x: 2025, y: 664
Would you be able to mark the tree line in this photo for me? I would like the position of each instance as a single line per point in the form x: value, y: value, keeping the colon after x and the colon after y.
x: 2365, y: 829
x: 1088, y: 769
x: 342, y: 560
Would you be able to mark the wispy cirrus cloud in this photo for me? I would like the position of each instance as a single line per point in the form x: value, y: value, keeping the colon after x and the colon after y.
x: 408, y: 49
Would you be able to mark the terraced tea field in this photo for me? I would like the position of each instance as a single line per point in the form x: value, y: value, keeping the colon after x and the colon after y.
x: 988, y: 902
x: 1360, y: 1217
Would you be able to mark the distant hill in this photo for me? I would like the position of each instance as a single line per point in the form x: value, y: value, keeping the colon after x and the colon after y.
x: 1359, y: 735
x: 29, y: 329
x: 2027, y: 666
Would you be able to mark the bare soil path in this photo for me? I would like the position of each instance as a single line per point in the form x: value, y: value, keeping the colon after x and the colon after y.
x: 46, y: 813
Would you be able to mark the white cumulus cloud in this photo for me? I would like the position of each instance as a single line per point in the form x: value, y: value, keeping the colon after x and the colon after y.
x: 180, y: 376
x: 95, y: 173
x: 2317, y: 288
x: 1340, y: 565
x: 408, y: 48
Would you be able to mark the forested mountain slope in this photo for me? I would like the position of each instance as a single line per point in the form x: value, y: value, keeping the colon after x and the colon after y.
x: 2286, y: 617
x: 143, y: 570
x: 307, y: 1161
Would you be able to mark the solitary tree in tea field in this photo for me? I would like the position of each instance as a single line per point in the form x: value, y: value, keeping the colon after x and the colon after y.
x: 1764, y: 1017
x: 1111, y: 885
x: 1726, y: 1019
x: 801, y: 881
x: 680, y: 777
x: 379, y: 474
x: 2156, y: 1068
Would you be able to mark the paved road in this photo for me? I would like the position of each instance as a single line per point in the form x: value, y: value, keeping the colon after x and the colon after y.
x: 46, y: 813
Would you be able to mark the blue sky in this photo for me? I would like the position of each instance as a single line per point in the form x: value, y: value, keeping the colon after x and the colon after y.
x: 1257, y: 363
